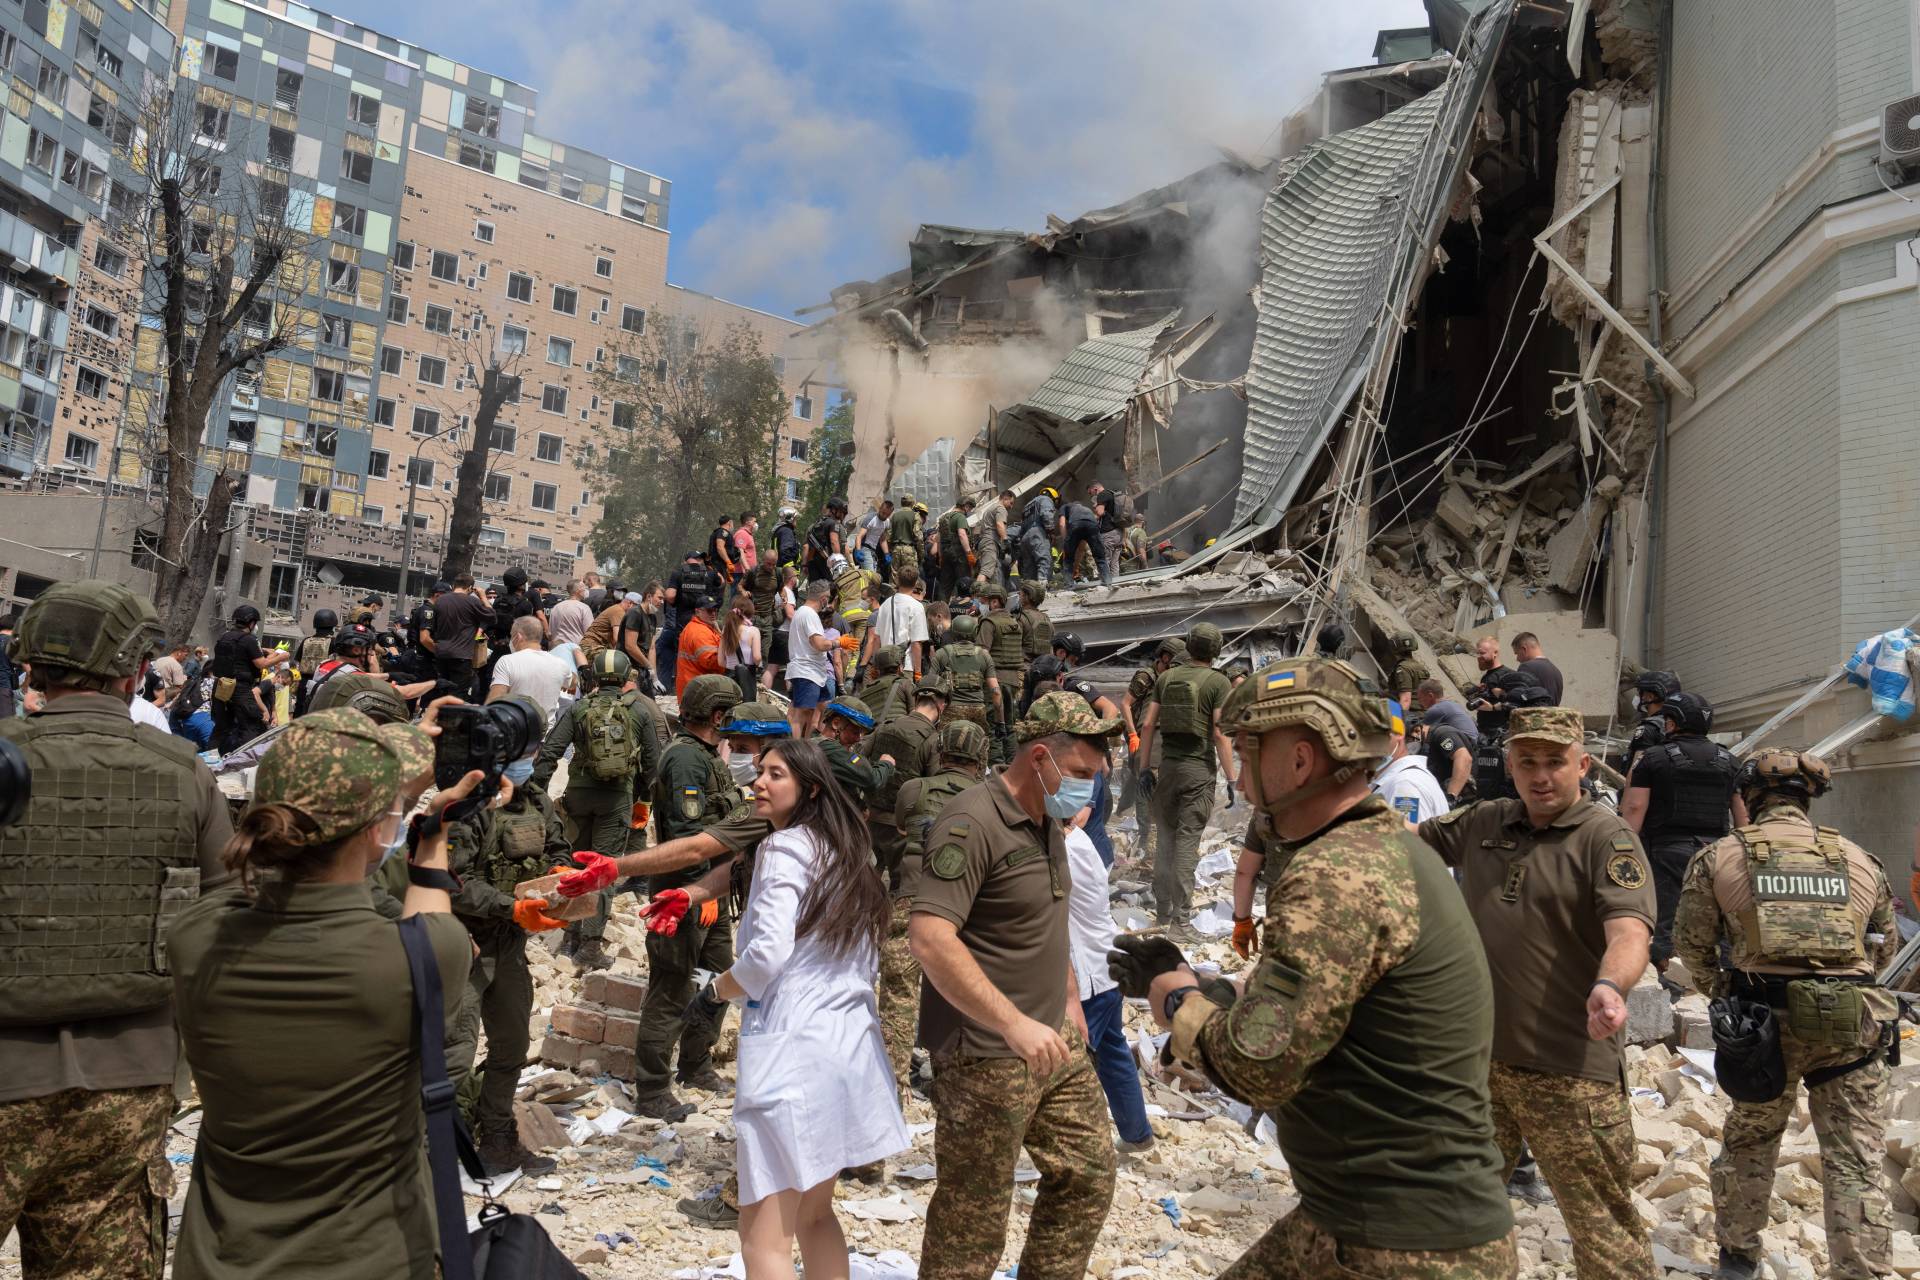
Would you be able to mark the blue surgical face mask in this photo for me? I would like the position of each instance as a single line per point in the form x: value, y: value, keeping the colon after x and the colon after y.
x: 1071, y: 796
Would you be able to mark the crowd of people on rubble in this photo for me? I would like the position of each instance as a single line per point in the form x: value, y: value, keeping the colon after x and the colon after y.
x: 853, y: 773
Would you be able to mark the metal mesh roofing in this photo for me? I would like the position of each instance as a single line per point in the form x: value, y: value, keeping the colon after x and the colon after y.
x: 1099, y: 376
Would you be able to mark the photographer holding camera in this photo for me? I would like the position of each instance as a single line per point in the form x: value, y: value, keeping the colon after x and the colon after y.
x: 308, y: 1161
x: 123, y: 827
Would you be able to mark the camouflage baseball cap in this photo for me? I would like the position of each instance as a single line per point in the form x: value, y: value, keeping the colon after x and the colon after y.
x: 1325, y: 696
x: 963, y: 740
x: 91, y: 632
x: 1063, y: 713
x: 888, y: 658
x: 1548, y: 724
x: 369, y: 695
x: 758, y: 720
x: 1204, y: 641
x: 340, y: 769
x: 708, y: 694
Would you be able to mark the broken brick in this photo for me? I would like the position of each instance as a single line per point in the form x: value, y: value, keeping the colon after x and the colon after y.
x: 623, y: 993
x: 580, y: 1023
x: 563, y: 1051
x: 621, y: 1031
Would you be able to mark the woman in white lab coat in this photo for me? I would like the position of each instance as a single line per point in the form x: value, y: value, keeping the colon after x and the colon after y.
x: 815, y: 1092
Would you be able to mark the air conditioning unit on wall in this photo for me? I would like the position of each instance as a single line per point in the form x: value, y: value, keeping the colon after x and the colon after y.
x: 1900, y: 134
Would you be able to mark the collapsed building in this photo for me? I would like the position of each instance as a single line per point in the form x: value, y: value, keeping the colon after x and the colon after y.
x: 1428, y: 367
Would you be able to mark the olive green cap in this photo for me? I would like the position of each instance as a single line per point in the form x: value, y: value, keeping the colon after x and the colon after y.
x: 963, y: 740
x: 1204, y: 641
x: 1547, y: 724
x: 708, y: 694
x: 1325, y: 696
x: 91, y: 633
x: 1064, y: 713
x: 367, y: 694
x: 339, y: 769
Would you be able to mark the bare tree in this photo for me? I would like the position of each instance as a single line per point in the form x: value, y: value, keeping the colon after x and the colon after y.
x: 224, y: 264
x: 492, y: 374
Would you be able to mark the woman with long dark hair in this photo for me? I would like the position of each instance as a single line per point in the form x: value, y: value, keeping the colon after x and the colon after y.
x: 815, y: 1092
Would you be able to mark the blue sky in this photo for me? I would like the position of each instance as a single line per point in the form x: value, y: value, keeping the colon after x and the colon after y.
x: 806, y: 139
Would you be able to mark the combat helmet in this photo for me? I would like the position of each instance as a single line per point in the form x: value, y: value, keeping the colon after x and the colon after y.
x: 324, y: 621
x: 853, y: 710
x: 1798, y: 775
x: 1204, y: 641
x: 1661, y: 684
x: 355, y: 635
x: 757, y: 720
x: 963, y: 740
x: 1032, y: 593
x: 369, y: 695
x: 611, y: 668
x: 1688, y: 713
x: 965, y: 627
x: 1076, y: 647
x: 1325, y: 696
x: 1405, y: 641
x: 89, y: 634
x: 1173, y: 647
x: 887, y: 658
x: 706, y: 695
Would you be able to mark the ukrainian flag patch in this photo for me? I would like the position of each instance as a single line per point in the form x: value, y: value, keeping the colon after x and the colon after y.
x: 1279, y: 680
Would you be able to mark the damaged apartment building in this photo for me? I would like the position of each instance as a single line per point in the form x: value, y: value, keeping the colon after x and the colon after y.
x: 1594, y: 318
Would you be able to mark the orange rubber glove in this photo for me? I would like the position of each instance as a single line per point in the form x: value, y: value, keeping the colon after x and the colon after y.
x: 709, y: 913
x: 597, y: 871
x: 531, y: 914
x: 849, y: 643
x: 1246, y: 938
x: 641, y: 812
x: 663, y: 913
x: 1133, y: 743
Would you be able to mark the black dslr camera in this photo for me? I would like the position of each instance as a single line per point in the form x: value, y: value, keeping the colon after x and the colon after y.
x: 487, y: 738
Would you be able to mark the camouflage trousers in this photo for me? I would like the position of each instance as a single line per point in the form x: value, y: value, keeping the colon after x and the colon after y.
x: 499, y: 997
x: 899, y: 995
x: 1850, y: 1120
x: 975, y: 713
x: 985, y: 1110
x: 84, y: 1175
x: 599, y: 821
x: 1182, y: 802
x: 992, y: 566
x: 1298, y: 1248
x: 1581, y: 1131
x: 905, y: 560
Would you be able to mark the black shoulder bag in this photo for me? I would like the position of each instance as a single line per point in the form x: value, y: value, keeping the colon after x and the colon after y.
x: 507, y: 1246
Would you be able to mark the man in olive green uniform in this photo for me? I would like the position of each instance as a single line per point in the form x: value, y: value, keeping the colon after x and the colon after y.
x: 489, y: 853
x: 903, y: 538
x: 962, y: 751
x: 1186, y: 711
x: 957, y: 559
x: 1560, y: 891
x: 1133, y: 710
x: 694, y: 791
x: 1364, y: 1027
x: 1808, y: 919
x: 965, y: 665
x: 1408, y: 670
x: 124, y: 829
x: 909, y: 742
x: 1036, y: 628
x: 991, y: 537
x: 888, y: 690
x: 1000, y: 1010
x: 615, y: 735
x: 1002, y: 636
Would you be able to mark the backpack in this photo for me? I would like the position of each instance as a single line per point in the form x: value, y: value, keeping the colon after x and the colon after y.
x: 609, y: 750
x: 313, y: 652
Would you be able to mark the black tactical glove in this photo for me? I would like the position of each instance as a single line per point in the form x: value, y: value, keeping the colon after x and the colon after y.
x: 1147, y: 783
x: 1137, y: 959
x: 705, y: 1010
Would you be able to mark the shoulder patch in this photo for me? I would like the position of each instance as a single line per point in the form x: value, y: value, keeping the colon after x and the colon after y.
x: 690, y: 802
x: 1409, y: 807
x: 1626, y: 870
x: 949, y: 862
x: 1260, y: 1023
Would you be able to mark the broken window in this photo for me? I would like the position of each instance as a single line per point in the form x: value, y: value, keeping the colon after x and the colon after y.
x: 356, y: 167
x: 363, y: 110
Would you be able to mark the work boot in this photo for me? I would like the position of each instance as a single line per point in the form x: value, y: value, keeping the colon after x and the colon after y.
x: 591, y: 954
x: 872, y: 1175
x: 710, y: 1209
x: 1527, y: 1184
x: 501, y: 1153
x: 1184, y: 934
x: 705, y: 1078
x: 1127, y: 1148
x: 662, y: 1106
x: 1734, y: 1266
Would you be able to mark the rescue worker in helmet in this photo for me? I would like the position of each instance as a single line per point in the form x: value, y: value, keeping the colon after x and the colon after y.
x: 92, y: 879
x: 975, y: 687
x: 1365, y: 1026
x: 1408, y: 670
x: 1651, y: 689
x: 1804, y: 919
x: 1037, y: 527
x: 1678, y: 799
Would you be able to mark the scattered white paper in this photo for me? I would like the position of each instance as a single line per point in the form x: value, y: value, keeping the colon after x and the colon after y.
x: 917, y: 1130
x: 1214, y: 865
x: 1215, y: 920
x: 1026, y: 1173
x: 890, y: 1209
x: 610, y: 1120
x: 1156, y: 1111
x: 917, y: 1173
x: 549, y: 1184
x: 580, y: 1130
x: 496, y: 1186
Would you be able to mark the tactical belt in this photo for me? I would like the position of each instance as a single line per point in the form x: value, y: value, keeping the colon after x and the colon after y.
x: 1772, y: 988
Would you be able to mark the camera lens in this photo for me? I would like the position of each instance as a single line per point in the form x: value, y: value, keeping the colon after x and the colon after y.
x: 16, y: 783
x: 517, y: 728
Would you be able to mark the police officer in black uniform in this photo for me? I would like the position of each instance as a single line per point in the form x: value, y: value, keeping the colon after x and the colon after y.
x: 1650, y: 693
x: 1678, y: 799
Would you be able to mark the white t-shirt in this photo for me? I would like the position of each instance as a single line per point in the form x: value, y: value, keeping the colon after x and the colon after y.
x: 1409, y: 786
x: 804, y: 662
x: 901, y: 620
x: 144, y: 712
x: 1090, y: 926
x: 536, y: 674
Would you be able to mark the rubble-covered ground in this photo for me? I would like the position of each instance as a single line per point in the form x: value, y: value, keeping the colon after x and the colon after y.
x: 1186, y: 1208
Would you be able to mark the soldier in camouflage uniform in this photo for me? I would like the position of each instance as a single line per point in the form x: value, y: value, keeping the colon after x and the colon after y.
x: 490, y: 853
x: 1408, y: 670
x: 969, y: 671
x: 1807, y: 916
x: 1186, y: 710
x: 1364, y: 1027
x: 962, y: 751
x: 1561, y: 893
x: 1004, y: 639
x: 1133, y: 710
x: 908, y: 742
x: 1000, y: 1014
x: 125, y: 827
x: 1036, y: 628
x: 888, y: 690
